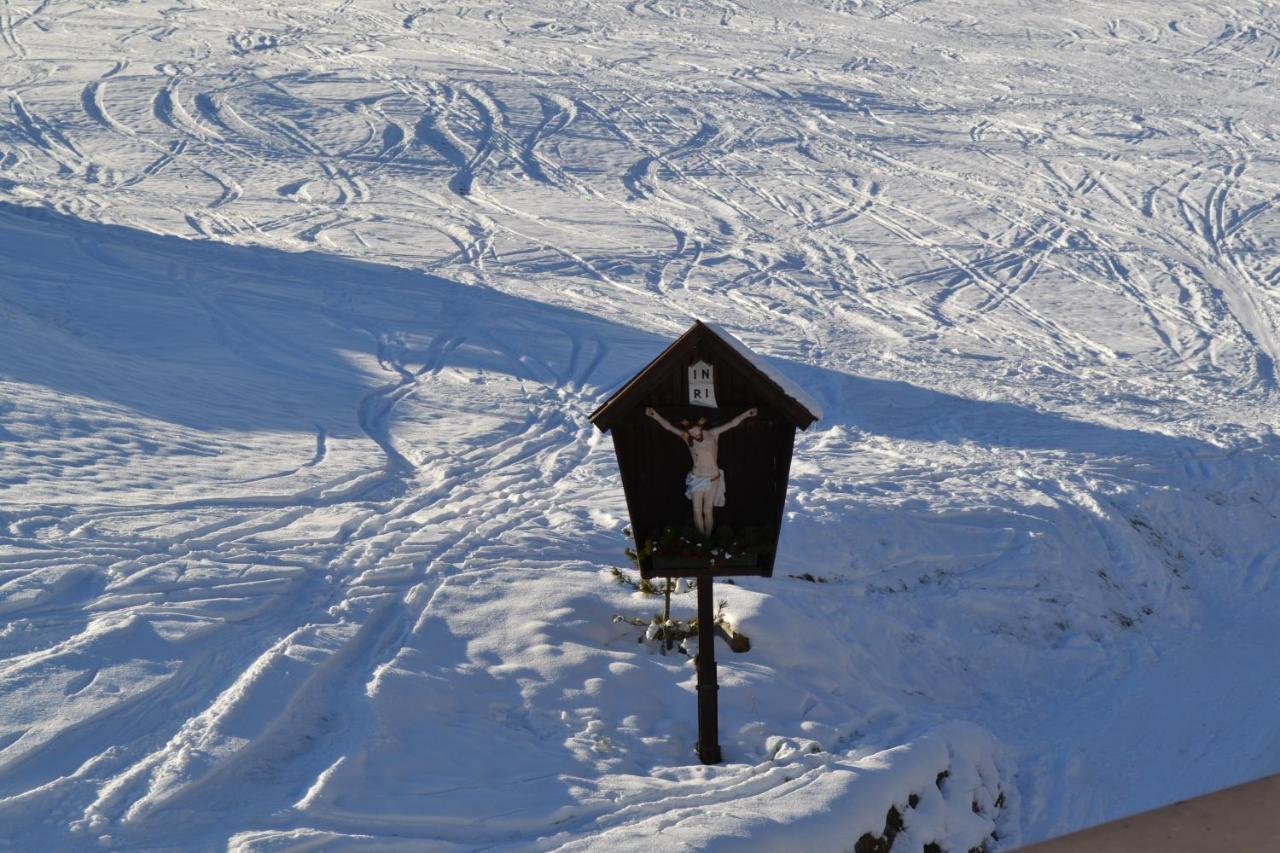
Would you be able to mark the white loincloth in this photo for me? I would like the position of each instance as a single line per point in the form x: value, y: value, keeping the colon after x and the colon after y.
x: 694, y: 483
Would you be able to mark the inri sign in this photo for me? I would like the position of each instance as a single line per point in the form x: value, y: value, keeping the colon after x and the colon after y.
x: 702, y: 385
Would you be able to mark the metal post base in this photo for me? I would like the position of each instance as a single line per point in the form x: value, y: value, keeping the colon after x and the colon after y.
x: 710, y: 756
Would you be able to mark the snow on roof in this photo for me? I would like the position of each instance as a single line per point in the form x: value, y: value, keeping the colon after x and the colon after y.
x: 788, y: 387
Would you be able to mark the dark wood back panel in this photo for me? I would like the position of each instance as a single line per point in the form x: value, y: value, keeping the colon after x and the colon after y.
x: 755, y: 456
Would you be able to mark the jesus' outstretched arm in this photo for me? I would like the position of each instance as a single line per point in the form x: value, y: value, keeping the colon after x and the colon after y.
x: 725, y: 427
x: 663, y: 422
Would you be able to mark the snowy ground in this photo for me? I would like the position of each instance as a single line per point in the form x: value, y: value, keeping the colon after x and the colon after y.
x: 304, y: 534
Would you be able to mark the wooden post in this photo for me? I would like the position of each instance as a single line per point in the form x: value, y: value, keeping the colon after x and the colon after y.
x: 708, y: 705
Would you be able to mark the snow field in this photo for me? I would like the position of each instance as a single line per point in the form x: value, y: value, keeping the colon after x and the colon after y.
x: 304, y: 533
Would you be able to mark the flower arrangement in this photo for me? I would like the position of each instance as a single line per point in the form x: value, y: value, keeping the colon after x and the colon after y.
x: 725, y: 547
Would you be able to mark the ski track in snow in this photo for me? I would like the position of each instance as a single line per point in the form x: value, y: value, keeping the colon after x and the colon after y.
x: 303, y: 525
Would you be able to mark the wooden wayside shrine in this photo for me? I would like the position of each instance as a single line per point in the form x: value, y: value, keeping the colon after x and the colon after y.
x: 755, y: 456
x: 704, y: 436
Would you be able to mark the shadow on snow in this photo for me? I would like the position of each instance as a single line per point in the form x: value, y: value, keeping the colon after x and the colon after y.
x: 221, y: 337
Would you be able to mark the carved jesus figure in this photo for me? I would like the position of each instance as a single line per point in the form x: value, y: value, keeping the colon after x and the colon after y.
x: 704, y: 484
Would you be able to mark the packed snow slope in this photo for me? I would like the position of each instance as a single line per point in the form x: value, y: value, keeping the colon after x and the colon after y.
x: 305, y: 535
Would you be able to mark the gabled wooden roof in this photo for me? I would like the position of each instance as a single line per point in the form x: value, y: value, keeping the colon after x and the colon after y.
x: 708, y: 340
